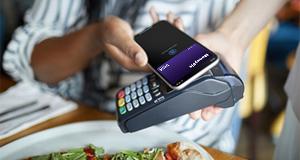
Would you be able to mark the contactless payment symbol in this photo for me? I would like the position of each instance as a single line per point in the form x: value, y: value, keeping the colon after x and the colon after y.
x: 172, y: 51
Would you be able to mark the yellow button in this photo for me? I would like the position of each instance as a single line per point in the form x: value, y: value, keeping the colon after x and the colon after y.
x: 121, y: 102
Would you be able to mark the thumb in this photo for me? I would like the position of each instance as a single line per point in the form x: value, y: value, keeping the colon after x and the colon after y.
x: 126, y: 44
x: 134, y: 51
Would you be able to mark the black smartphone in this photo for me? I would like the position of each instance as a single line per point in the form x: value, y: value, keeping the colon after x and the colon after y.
x: 174, y: 56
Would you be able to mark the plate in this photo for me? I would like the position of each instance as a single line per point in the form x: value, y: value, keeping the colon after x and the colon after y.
x: 100, y: 133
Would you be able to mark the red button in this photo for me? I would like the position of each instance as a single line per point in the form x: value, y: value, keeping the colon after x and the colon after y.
x: 121, y: 94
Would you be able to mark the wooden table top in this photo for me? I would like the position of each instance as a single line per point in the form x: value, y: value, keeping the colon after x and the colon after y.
x: 83, y: 113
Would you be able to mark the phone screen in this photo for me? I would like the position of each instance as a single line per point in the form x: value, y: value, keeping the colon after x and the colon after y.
x: 173, y: 54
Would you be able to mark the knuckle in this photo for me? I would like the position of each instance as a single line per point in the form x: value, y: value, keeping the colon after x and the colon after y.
x: 128, y: 65
x: 130, y: 50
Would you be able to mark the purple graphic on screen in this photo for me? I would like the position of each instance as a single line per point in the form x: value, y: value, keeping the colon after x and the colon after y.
x: 183, y: 63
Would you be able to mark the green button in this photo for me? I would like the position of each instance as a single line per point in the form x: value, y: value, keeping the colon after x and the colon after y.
x: 122, y: 110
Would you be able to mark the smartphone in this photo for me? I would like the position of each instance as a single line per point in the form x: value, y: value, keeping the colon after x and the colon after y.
x: 174, y: 56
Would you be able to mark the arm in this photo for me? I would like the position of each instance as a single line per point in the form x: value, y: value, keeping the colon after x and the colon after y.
x: 249, y: 17
x: 235, y: 34
x: 57, y: 58
x: 232, y: 38
x: 46, y: 19
x: 42, y: 49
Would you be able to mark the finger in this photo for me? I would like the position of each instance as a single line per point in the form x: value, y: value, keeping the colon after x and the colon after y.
x: 217, y: 110
x: 125, y: 43
x: 179, y: 23
x: 123, y: 59
x: 170, y: 17
x: 196, y: 115
x: 207, y: 113
x: 121, y: 36
x: 153, y: 14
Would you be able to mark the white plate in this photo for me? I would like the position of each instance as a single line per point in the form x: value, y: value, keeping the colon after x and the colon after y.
x: 100, y: 133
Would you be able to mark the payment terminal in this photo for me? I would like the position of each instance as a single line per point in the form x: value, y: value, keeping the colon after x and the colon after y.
x: 149, y: 101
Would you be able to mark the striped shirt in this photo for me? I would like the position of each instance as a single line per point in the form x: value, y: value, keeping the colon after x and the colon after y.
x: 97, y: 85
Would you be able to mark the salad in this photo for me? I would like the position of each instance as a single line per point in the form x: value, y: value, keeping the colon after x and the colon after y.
x: 173, y: 151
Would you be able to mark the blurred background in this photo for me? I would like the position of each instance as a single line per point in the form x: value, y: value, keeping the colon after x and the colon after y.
x: 272, y: 56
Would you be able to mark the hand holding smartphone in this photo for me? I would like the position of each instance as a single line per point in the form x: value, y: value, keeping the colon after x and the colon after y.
x: 174, y: 56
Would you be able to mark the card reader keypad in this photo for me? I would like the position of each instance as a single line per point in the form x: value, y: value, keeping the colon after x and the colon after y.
x: 138, y: 94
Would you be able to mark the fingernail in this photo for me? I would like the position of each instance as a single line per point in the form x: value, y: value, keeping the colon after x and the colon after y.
x: 140, y: 59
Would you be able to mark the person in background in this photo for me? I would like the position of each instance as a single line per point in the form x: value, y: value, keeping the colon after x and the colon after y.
x: 74, y: 48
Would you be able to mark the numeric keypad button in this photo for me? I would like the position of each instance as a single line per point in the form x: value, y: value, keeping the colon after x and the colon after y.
x: 139, y: 92
x: 145, y: 89
x: 129, y: 106
x: 138, y: 84
x: 132, y: 87
x: 127, y: 90
x: 142, y: 100
x: 135, y: 103
x: 127, y: 98
x: 145, y: 81
x: 148, y: 97
x: 133, y: 95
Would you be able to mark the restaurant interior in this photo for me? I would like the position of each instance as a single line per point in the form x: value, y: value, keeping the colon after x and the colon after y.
x: 262, y: 110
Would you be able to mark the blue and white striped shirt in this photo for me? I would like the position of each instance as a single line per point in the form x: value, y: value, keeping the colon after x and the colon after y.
x: 55, y: 18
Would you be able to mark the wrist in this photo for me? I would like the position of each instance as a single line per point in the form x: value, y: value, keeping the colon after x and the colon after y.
x: 95, y: 32
x: 236, y: 36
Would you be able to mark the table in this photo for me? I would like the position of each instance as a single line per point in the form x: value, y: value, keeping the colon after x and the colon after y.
x: 83, y: 113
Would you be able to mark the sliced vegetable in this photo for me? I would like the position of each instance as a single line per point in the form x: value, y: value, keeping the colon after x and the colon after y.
x: 92, y: 152
x: 98, y: 151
